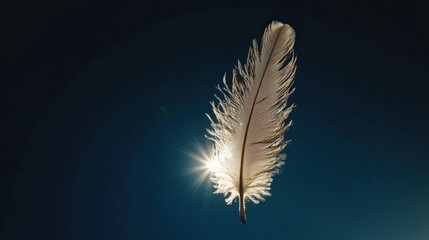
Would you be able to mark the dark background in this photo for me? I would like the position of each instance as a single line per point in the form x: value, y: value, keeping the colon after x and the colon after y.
x: 102, y: 101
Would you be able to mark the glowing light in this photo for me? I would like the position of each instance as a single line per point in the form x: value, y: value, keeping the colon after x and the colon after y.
x: 212, y: 165
x: 203, y: 163
x: 206, y: 162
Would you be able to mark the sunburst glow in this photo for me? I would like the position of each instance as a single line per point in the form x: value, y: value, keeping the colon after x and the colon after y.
x: 204, y: 163
x: 212, y: 165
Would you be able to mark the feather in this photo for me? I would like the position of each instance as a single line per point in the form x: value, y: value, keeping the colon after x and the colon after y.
x: 249, y: 126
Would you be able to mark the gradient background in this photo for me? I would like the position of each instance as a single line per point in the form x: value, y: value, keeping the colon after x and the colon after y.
x: 101, y: 101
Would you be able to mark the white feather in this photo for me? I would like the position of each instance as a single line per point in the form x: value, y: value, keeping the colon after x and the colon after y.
x: 249, y: 129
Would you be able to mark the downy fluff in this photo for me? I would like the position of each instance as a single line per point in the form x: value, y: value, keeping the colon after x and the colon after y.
x: 249, y: 125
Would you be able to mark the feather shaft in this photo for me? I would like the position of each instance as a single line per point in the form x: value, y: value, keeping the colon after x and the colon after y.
x: 241, y: 195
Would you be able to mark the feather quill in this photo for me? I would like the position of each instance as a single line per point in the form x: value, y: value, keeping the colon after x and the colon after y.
x: 249, y: 126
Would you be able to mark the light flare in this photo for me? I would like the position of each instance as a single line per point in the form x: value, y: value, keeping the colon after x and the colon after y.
x: 212, y: 165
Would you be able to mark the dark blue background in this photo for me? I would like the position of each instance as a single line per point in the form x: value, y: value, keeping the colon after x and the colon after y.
x: 102, y: 101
